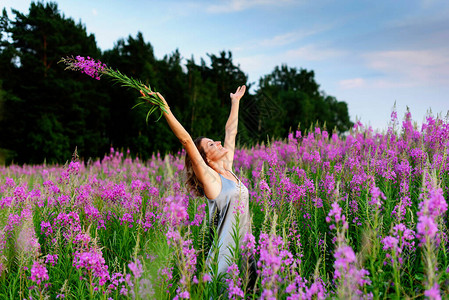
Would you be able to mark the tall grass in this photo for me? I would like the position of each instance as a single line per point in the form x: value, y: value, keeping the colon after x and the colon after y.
x: 361, y: 216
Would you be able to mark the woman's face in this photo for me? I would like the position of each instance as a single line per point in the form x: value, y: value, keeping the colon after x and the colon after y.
x: 214, y: 150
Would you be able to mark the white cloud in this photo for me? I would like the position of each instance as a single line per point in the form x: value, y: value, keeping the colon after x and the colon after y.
x: 352, y: 83
x: 227, y: 6
x: 281, y: 40
x: 403, y: 69
x: 411, y: 67
x: 313, y: 53
x: 292, y: 36
x: 94, y: 12
x: 257, y: 65
x: 431, y: 3
x: 277, y: 41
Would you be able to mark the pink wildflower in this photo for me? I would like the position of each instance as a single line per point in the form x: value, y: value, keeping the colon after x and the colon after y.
x: 38, y: 273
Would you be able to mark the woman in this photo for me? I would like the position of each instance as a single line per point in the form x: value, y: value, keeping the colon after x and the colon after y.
x: 209, y: 173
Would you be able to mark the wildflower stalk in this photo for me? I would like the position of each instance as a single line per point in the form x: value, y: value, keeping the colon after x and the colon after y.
x: 396, y: 275
x: 432, y: 208
x: 91, y: 288
x: 430, y: 264
x: 349, y: 279
x: 215, y: 286
x: 323, y: 269
x: 96, y: 69
x: 374, y: 202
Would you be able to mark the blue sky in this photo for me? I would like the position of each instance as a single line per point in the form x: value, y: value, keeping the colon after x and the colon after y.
x: 370, y: 54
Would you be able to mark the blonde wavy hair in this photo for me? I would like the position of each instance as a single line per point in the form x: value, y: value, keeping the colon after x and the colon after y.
x: 192, y: 182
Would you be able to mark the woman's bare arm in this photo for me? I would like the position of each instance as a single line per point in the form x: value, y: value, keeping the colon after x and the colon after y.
x: 232, y: 125
x: 206, y: 175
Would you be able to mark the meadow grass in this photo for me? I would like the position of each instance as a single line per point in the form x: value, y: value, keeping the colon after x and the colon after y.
x: 354, y: 217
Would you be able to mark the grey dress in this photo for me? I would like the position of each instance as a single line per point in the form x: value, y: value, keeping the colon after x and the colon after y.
x: 232, y: 197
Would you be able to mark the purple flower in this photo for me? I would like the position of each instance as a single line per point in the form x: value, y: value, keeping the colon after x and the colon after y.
x: 69, y: 223
x: 189, y: 256
x: 390, y: 243
x: 206, y: 277
x: 335, y: 212
x: 316, y: 289
x: 9, y: 182
x: 87, y: 66
x: 433, y: 293
x: 234, y: 282
x: 248, y: 245
x: 394, y: 116
x: 426, y: 228
x: 94, y: 262
x: 6, y: 202
x: 136, y: 268
x: 437, y: 205
x: 51, y: 259
x: 344, y: 256
x: 127, y: 219
x: 264, y: 186
x: 175, y: 211
x: 376, y: 196
x: 38, y: 273
x: 199, y: 216
x: 74, y: 168
x: 351, y: 279
x: 46, y: 228
x: 182, y: 295
x: 273, y: 260
x: 13, y: 221
x: 27, y: 240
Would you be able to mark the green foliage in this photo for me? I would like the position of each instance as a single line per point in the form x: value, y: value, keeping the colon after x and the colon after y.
x: 291, y: 99
x: 50, y: 113
x: 45, y: 113
x: 293, y: 214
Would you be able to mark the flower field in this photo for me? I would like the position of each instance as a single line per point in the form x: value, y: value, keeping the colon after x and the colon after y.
x: 356, y: 217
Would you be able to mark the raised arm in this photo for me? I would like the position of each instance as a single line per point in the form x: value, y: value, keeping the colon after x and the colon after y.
x: 206, y: 175
x: 232, y: 125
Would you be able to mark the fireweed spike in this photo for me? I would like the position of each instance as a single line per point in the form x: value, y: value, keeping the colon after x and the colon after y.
x: 97, y: 69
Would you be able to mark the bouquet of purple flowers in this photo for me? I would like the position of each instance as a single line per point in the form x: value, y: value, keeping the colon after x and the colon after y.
x: 96, y: 69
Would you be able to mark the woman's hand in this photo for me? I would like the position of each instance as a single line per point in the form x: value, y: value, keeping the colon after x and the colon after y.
x: 238, y: 93
x: 159, y: 96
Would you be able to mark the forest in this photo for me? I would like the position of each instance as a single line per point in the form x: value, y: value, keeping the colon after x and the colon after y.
x: 46, y: 113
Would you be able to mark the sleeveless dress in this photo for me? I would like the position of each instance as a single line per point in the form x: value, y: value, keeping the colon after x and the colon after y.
x: 233, y: 197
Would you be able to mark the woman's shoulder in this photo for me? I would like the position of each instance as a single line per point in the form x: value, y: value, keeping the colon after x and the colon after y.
x: 214, y: 189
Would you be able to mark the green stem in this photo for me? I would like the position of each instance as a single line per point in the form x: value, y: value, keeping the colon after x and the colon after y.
x: 429, y: 264
x: 91, y: 289
x: 40, y: 293
x: 397, y: 280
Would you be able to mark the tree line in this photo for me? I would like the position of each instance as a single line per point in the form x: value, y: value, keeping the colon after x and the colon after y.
x: 46, y: 112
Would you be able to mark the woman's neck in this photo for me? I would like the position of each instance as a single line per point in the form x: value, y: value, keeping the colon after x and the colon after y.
x: 218, y: 167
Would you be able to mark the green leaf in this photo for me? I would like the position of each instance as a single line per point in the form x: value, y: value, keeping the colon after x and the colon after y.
x: 140, y: 103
